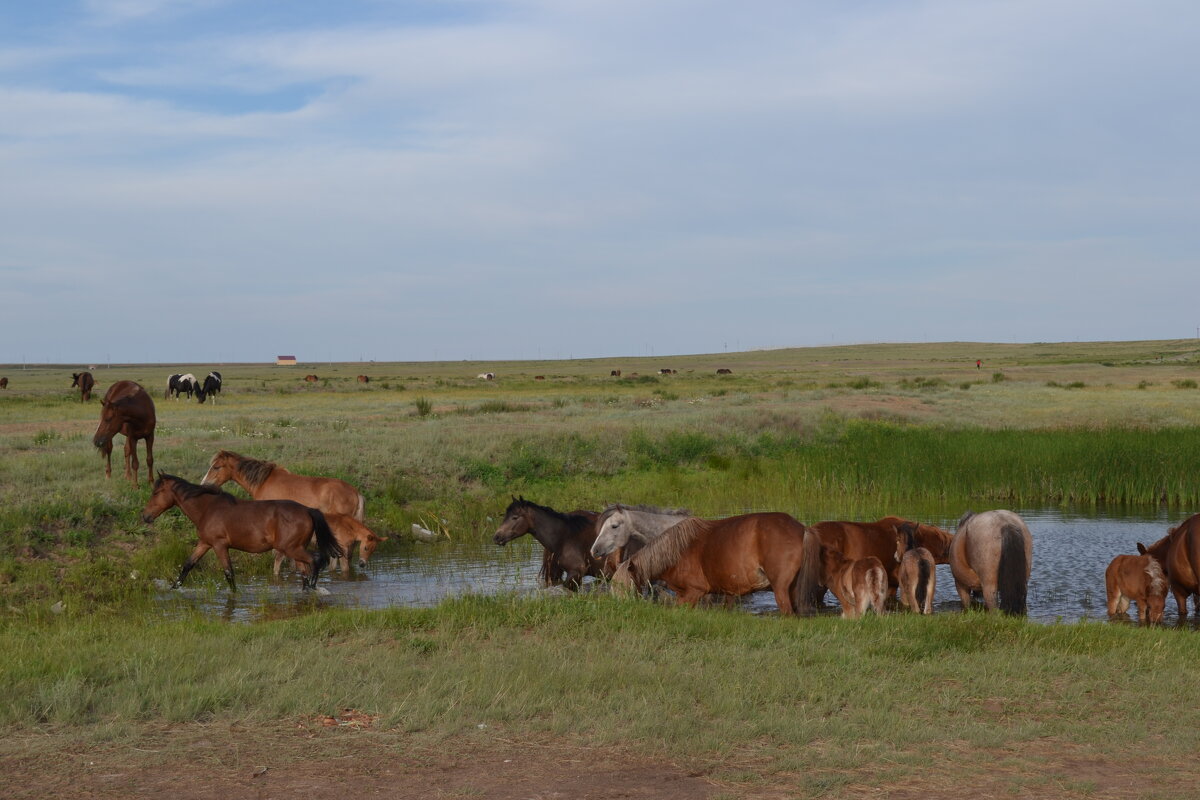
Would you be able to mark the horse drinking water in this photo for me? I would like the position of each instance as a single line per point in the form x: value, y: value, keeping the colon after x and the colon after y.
x: 1178, y: 553
x: 859, y: 584
x: 1139, y: 579
x: 253, y: 526
x: 916, y: 572
x: 126, y: 409
x: 992, y: 554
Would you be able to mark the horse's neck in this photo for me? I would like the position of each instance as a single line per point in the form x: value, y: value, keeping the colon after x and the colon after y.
x: 549, y: 530
x: 197, y: 508
x: 648, y: 526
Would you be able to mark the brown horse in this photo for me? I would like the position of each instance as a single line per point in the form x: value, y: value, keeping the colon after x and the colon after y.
x: 85, y: 382
x: 4, y: 383
x: 1139, y: 579
x: 126, y: 409
x: 862, y: 539
x: 347, y: 530
x: 566, y: 538
x: 733, y: 557
x: 859, y: 584
x: 1179, y: 555
x: 992, y: 553
x: 311, y: 378
x: 253, y: 526
x: 916, y: 572
x: 364, y: 379
x: 265, y: 480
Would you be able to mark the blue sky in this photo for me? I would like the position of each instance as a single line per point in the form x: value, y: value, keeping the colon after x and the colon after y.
x: 218, y: 180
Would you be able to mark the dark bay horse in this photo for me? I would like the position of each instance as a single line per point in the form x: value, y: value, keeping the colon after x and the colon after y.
x: 732, y: 557
x: 859, y: 584
x: 1139, y: 579
x: 85, y: 382
x: 4, y: 383
x: 126, y: 409
x: 253, y: 526
x: 266, y: 480
x: 862, y: 539
x: 1179, y: 555
x: 566, y: 538
x: 992, y: 553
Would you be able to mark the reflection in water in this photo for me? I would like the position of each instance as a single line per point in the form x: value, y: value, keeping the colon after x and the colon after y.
x: 1070, y: 553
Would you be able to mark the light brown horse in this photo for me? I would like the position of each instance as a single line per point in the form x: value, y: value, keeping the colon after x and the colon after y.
x: 126, y: 409
x: 1179, y: 555
x: 862, y: 539
x: 85, y: 382
x: 732, y: 557
x: 347, y: 530
x: 916, y: 572
x: 992, y: 554
x: 266, y: 480
x: 859, y: 584
x: 254, y: 526
x: 1139, y: 579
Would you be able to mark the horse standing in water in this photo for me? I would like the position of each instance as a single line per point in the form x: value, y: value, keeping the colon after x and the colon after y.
x: 630, y: 528
x: 253, y: 526
x: 733, y: 557
x: 1179, y: 555
x: 1139, y: 579
x: 566, y: 538
x: 862, y: 539
x: 859, y: 584
x: 992, y: 554
x: 85, y: 382
x: 126, y: 409
x: 916, y: 572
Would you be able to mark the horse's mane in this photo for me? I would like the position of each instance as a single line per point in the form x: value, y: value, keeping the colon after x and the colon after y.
x: 252, y: 470
x: 660, y: 554
x: 1158, y: 579
x: 677, y: 512
x: 189, y: 490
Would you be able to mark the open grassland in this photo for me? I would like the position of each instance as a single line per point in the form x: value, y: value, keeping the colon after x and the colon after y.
x: 816, y: 704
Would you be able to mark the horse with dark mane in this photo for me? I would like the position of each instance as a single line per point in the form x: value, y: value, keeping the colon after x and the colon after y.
x: 211, y: 387
x: 916, y: 573
x: 732, y: 557
x: 181, y: 383
x: 126, y: 409
x: 266, y: 480
x: 85, y: 382
x: 566, y: 539
x: 253, y: 526
x: 992, y: 554
x: 1179, y: 555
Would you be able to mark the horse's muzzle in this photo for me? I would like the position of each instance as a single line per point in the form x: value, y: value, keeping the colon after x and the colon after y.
x: 501, y: 539
x: 146, y: 518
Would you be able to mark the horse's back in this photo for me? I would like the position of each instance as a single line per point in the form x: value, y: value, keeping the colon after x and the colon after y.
x: 330, y: 495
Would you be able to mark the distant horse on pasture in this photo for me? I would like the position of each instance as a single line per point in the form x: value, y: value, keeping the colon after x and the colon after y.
x: 4, y: 383
x: 1139, y: 579
x: 732, y: 557
x: 266, y: 480
x: 211, y: 387
x: 128, y: 410
x: 311, y: 378
x: 859, y: 584
x: 916, y: 573
x: 224, y: 522
x: 616, y: 373
x: 181, y: 383
x: 724, y: 371
x: 992, y: 554
x: 85, y: 382
x: 1178, y: 553
x: 861, y: 539
x: 565, y: 538
x: 363, y: 379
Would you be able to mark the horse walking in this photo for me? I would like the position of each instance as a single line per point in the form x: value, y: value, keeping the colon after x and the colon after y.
x: 626, y: 529
x: 85, y: 382
x: 859, y: 584
x: 1139, y: 579
x: 126, y: 409
x: 733, y: 557
x: 992, y: 554
x: 225, y: 523
x: 916, y: 573
x: 565, y: 538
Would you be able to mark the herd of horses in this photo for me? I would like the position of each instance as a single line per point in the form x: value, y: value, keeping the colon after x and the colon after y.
x: 638, y: 548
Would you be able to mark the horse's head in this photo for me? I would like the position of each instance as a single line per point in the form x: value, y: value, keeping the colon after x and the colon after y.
x: 220, y: 470
x: 111, y: 420
x: 162, y: 497
x: 75, y: 378
x: 614, y: 532
x: 518, y: 521
x: 366, y: 548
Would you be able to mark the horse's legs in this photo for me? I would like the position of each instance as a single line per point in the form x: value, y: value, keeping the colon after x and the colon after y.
x: 131, y: 459
x: 964, y: 594
x: 106, y: 451
x: 150, y: 458
x: 278, y: 563
x: 196, y: 555
x: 222, y: 552
x: 1181, y: 598
x: 783, y: 597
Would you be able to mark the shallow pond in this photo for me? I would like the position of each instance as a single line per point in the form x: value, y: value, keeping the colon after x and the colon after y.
x: 1070, y: 553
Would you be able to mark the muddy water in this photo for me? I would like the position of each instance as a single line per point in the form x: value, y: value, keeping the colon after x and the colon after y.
x: 1070, y: 553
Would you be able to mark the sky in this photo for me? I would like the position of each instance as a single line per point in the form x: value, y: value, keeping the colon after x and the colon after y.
x: 192, y: 181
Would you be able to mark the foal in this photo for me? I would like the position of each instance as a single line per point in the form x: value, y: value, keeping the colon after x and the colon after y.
x: 916, y: 572
x: 1140, y: 579
x: 858, y: 584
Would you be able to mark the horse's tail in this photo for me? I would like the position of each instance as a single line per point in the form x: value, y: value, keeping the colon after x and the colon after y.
x: 360, y: 513
x: 877, y: 587
x: 1014, y: 571
x: 327, y: 545
x: 923, y: 570
x: 807, y: 578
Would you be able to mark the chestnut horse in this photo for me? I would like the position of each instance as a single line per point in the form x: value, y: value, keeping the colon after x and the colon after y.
x: 85, y: 382
x: 253, y: 526
x: 347, y: 530
x: 1179, y: 555
x: 4, y: 383
x: 859, y: 584
x: 566, y: 539
x: 732, y: 556
x: 861, y: 539
x: 126, y: 409
x: 1139, y: 579
x: 916, y: 572
x: 992, y: 553
x: 266, y: 480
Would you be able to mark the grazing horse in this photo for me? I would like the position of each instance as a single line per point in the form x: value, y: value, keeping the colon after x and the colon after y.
x: 4, y: 383
x: 1179, y: 555
x: 859, y: 584
x: 916, y: 572
x: 181, y: 383
x: 211, y: 387
x: 126, y: 409
x: 364, y: 379
x: 85, y: 382
x: 992, y: 553
x: 861, y: 539
x: 630, y: 528
x: 253, y: 526
x: 266, y: 480
x: 566, y: 539
x: 616, y: 373
x: 1139, y: 579
x: 733, y: 557
x: 724, y: 371
x: 311, y: 378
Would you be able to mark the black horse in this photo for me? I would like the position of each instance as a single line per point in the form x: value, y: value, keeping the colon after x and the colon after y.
x: 211, y: 387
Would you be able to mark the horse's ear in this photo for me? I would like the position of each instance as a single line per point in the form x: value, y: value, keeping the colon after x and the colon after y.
x: 1141, y: 548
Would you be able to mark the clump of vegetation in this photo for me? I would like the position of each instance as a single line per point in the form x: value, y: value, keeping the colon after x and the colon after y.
x: 424, y: 406
x: 864, y: 383
x: 999, y: 377
x: 1185, y: 383
x: 922, y: 383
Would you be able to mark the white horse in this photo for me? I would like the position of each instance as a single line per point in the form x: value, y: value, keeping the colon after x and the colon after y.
x: 618, y: 523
